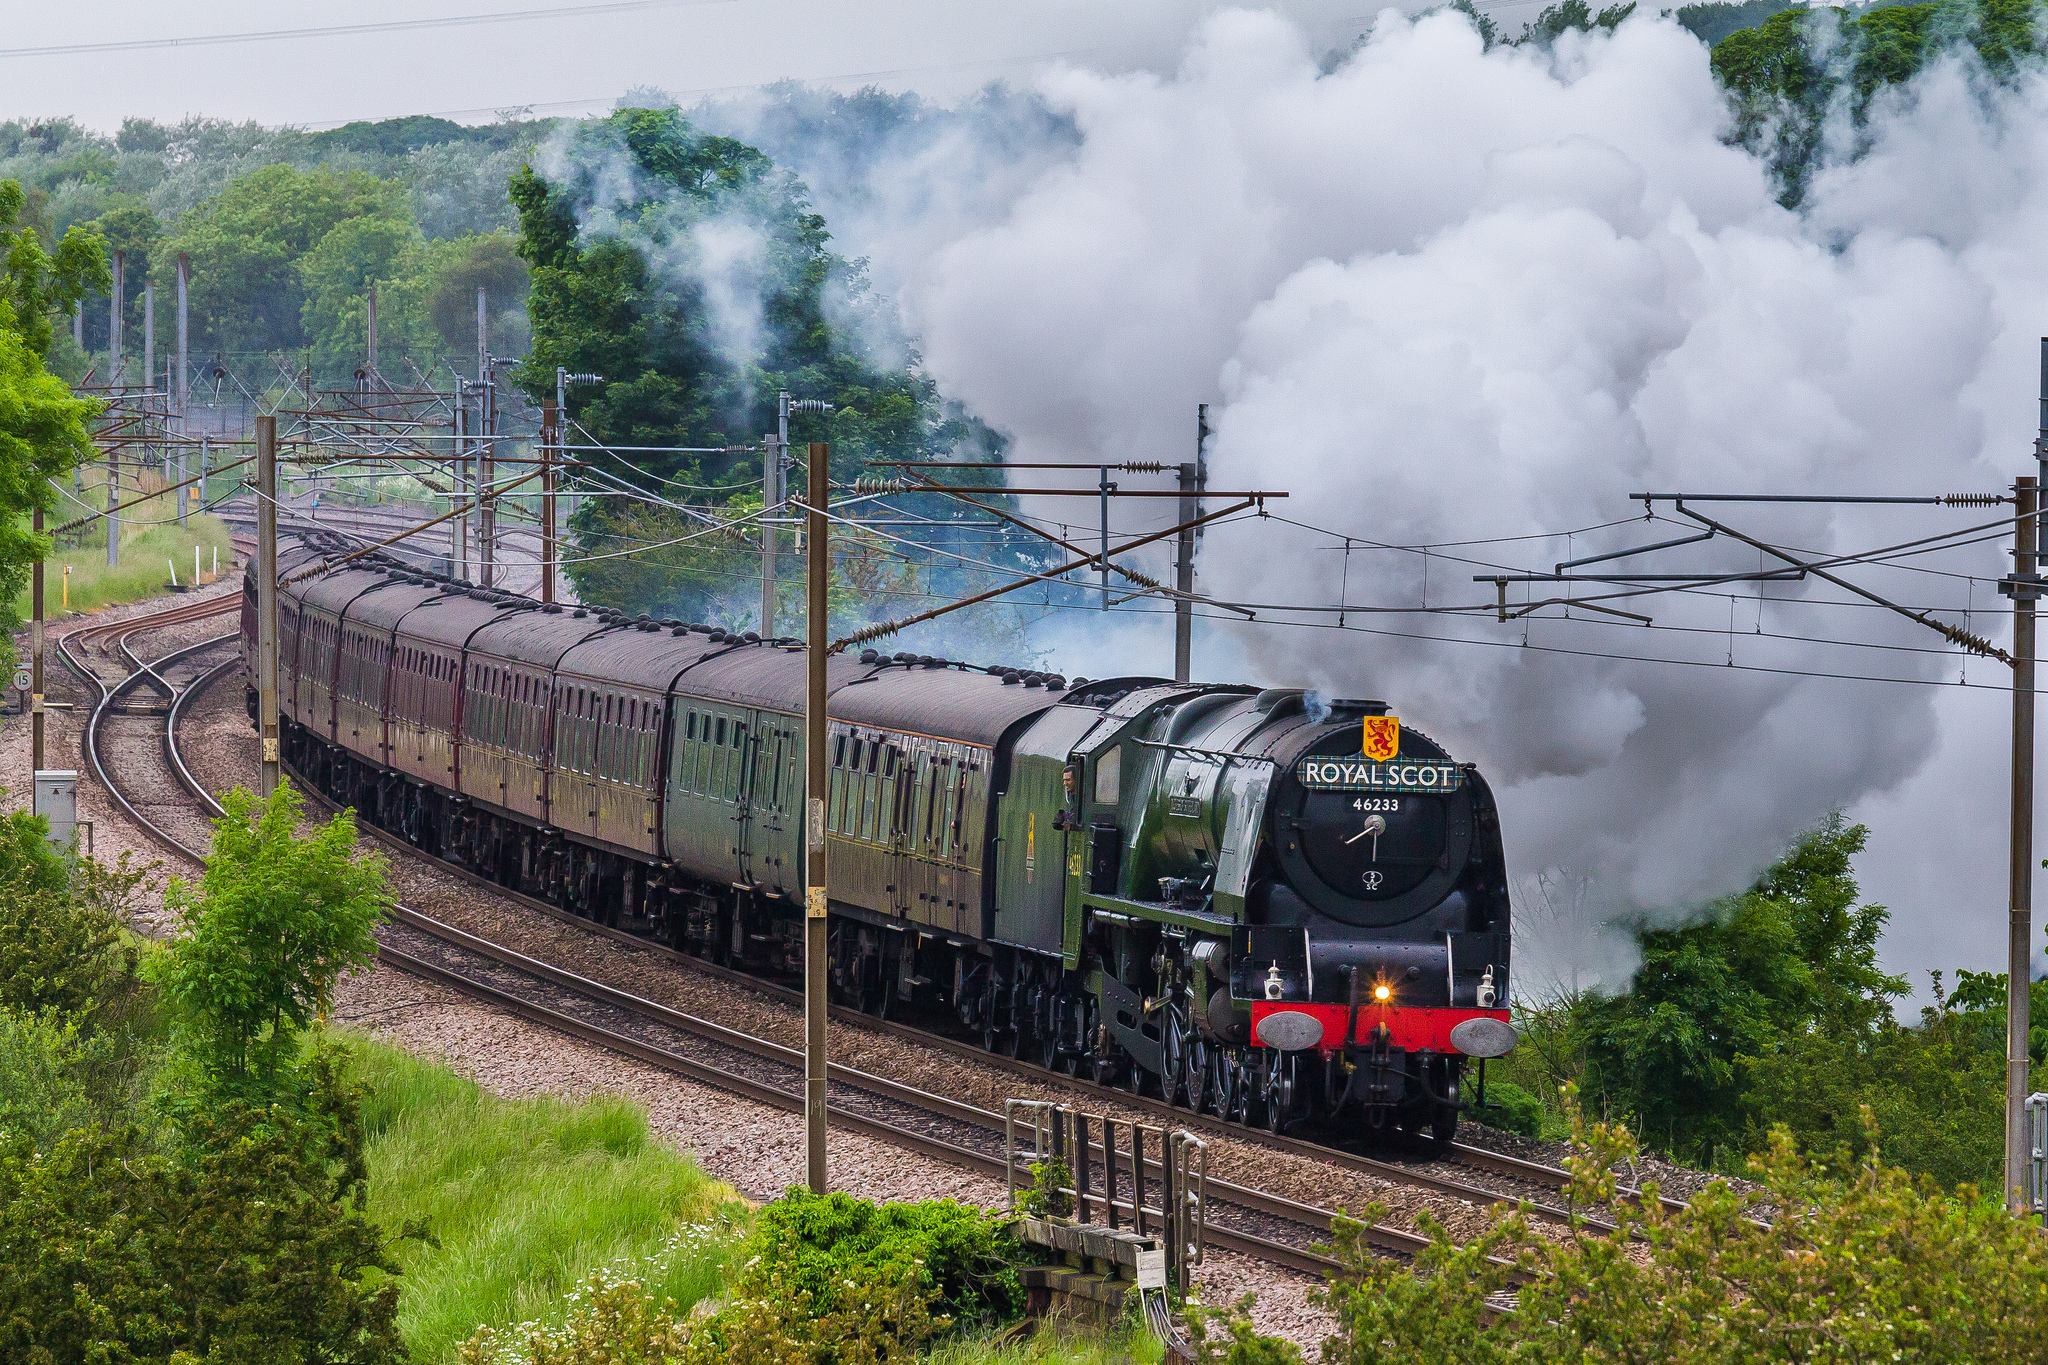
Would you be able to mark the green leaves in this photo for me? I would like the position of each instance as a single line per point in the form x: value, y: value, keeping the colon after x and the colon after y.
x: 1834, y: 1261
x: 274, y: 922
x: 247, y: 242
x: 250, y: 1246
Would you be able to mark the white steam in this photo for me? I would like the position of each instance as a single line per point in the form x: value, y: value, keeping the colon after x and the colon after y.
x: 1440, y: 295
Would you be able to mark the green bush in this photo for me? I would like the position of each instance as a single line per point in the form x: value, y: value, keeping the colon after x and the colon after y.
x: 1513, y: 1109
x: 41, y: 1095
x: 817, y: 1241
x: 248, y: 1244
x: 1841, y: 1261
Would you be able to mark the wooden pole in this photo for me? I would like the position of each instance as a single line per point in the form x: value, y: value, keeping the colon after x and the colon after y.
x: 818, y: 633
x: 266, y: 602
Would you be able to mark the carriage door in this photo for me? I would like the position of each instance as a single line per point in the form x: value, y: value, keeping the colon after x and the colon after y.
x: 745, y: 756
x: 899, y: 801
x: 770, y: 803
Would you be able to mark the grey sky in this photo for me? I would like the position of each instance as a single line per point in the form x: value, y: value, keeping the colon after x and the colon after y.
x: 569, y: 64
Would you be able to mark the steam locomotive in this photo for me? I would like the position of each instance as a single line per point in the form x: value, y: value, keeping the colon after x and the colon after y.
x: 1213, y: 893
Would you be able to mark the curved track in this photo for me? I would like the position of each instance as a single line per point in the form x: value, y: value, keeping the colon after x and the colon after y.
x: 1247, y: 1221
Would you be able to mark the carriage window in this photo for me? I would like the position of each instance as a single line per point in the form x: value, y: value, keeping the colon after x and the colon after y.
x: 874, y: 753
x: 839, y: 751
x: 859, y: 749
x: 691, y: 731
x: 959, y: 803
x: 931, y: 796
x: 721, y: 731
x: 889, y: 762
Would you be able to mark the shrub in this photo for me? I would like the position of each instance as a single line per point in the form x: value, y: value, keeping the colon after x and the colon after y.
x: 249, y: 1246
x: 1513, y: 1109
x: 874, y: 1314
x: 814, y: 1243
x: 275, y: 921
x: 1851, y: 1260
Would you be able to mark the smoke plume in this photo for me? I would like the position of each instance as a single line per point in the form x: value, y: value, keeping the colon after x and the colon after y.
x: 1443, y: 295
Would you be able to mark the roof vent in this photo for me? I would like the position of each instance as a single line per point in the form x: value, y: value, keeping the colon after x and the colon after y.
x: 680, y: 630
x: 552, y: 608
x: 1033, y: 680
x: 1056, y: 683
x: 1011, y: 677
x: 751, y: 638
x: 580, y: 614
x: 717, y: 635
x: 868, y: 656
x: 1080, y: 683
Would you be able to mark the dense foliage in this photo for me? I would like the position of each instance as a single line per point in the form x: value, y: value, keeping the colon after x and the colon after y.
x: 1771, y: 1011
x: 690, y: 272
x: 829, y: 1280
x: 195, y: 1195
x: 251, y: 205
x: 1839, y: 1260
x: 1800, y: 67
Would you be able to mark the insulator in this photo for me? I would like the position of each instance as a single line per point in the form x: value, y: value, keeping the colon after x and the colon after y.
x: 869, y: 484
x: 1972, y: 499
x: 874, y: 632
x: 1145, y: 467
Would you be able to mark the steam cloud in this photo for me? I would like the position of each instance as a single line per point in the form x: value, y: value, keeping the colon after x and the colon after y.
x: 1442, y: 295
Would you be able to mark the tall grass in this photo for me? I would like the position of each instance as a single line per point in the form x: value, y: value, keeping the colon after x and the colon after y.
x: 151, y: 540
x: 525, y: 1198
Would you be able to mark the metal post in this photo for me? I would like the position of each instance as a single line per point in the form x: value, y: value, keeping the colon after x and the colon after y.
x: 2020, y: 925
x: 459, y: 532
x: 184, y: 377
x: 113, y: 506
x: 266, y: 601
x: 114, y: 322
x: 818, y: 632
x: 1184, y: 554
x: 184, y: 494
x: 78, y: 326
x: 204, y: 451
x: 771, y: 499
x: 483, y: 359
x: 148, y: 335
x: 35, y: 691
x: 1104, y: 569
x: 486, y: 476
x: 370, y: 327
x: 550, y: 433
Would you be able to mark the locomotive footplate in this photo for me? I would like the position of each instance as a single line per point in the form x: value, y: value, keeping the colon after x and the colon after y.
x: 1322, y: 1027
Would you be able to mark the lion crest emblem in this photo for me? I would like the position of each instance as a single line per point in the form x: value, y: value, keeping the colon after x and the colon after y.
x: 1382, y: 738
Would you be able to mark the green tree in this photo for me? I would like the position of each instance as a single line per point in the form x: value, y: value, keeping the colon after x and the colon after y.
x: 250, y: 1246
x: 690, y: 272
x: 245, y: 245
x: 35, y: 284
x: 337, y: 273
x: 1792, y: 960
x: 276, y: 919
x: 44, y: 430
x: 1787, y: 76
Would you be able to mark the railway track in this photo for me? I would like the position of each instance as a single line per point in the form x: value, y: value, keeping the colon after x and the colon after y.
x: 1244, y: 1220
